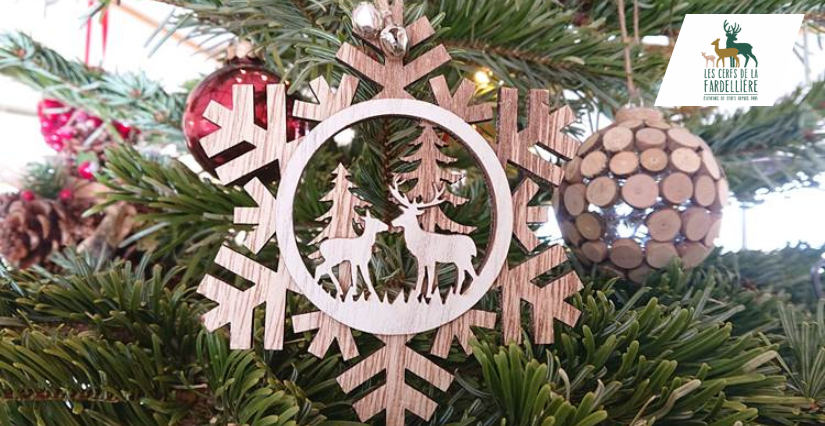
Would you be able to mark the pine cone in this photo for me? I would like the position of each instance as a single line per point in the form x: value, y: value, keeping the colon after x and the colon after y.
x: 31, y: 230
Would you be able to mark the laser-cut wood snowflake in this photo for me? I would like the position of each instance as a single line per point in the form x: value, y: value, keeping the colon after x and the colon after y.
x: 357, y: 305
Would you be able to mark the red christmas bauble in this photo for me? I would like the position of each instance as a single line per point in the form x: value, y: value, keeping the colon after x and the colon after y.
x: 87, y: 170
x: 218, y: 87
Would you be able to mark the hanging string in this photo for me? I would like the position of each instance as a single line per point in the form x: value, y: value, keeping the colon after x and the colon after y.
x: 632, y: 91
x: 395, y: 11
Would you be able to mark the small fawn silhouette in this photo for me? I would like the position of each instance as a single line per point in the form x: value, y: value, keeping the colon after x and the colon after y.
x: 357, y: 251
x: 725, y: 53
x: 709, y: 58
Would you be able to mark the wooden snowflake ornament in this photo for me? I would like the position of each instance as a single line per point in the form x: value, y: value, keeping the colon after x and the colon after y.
x: 336, y: 278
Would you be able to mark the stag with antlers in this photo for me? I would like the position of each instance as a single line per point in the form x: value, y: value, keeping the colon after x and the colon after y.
x: 744, y: 49
x: 430, y: 248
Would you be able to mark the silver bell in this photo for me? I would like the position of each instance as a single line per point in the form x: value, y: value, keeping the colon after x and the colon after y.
x: 394, y: 41
x: 367, y: 21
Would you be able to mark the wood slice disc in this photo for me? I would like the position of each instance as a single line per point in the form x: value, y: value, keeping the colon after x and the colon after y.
x: 581, y: 257
x: 677, y: 188
x: 572, y: 170
x: 594, y: 164
x: 659, y: 254
x: 638, y: 113
x: 624, y: 163
x: 640, y: 191
x: 640, y: 274
x: 602, y: 191
x: 685, y: 160
x: 714, y: 230
x: 695, y: 223
x: 573, y: 199
x: 661, y: 125
x: 663, y: 225
x: 682, y: 137
x: 589, y: 226
x: 692, y: 254
x: 595, y: 251
x: 617, y: 139
x: 722, y: 190
x: 709, y: 162
x: 569, y: 231
x: 704, y: 190
x: 589, y: 144
x: 633, y: 123
x: 626, y: 253
x: 654, y: 159
x: 650, y: 138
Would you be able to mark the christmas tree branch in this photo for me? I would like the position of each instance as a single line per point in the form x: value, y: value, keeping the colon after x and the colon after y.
x: 130, y: 98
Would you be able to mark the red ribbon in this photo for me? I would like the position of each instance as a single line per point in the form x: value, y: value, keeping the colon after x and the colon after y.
x: 104, y: 33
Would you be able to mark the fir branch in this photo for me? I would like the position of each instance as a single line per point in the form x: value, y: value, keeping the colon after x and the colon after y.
x: 129, y: 98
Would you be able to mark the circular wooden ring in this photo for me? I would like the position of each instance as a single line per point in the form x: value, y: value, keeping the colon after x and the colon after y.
x: 403, y: 316
x: 704, y: 190
x: 570, y: 233
x: 684, y: 138
x: 714, y: 231
x: 632, y: 123
x: 589, y: 226
x: 626, y: 253
x: 572, y: 170
x: 617, y: 139
x: 594, y: 164
x: 722, y: 190
x: 685, y: 160
x: 664, y: 225
x: 709, y: 163
x: 677, y: 188
x: 654, y: 160
x: 650, y: 138
x: 624, y: 163
x: 589, y: 144
x: 696, y: 222
x: 692, y: 254
x: 602, y: 191
x: 595, y: 251
x: 573, y: 199
x: 640, y: 191
x: 640, y: 274
x: 659, y: 255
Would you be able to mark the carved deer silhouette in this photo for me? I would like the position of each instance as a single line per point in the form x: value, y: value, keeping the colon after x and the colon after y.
x: 430, y: 248
x: 357, y: 251
x: 725, y: 53
x: 744, y: 49
x: 709, y: 58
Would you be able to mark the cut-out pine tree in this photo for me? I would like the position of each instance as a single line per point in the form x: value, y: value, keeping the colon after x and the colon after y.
x: 430, y: 176
x: 342, y: 219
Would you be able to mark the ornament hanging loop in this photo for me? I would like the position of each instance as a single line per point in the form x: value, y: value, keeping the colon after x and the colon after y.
x: 633, y: 92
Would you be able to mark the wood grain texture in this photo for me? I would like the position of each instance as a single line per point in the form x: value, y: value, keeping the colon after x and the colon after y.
x: 342, y: 217
x: 329, y: 331
x: 260, y: 216
x: 393, y: 75
x: 430, y: 176
x: 548, y: 301
x: 329, y: 102
x: 460, y: 103
x: 395, y: 396
x: 524, y: 214
x: 461, y: 329
x: 236, y: 307
x: 237, y: 127
x: 543, y: 129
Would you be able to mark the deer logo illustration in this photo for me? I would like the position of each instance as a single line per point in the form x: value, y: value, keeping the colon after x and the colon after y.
x: 744, y: 49
x: 726, y: 53
x: 357, y: 251
x: 430, y: 248
x: 709, y: 58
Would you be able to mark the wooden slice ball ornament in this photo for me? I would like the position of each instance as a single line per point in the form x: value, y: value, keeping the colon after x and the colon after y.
x: 653, y: 192
x: 337, y: 277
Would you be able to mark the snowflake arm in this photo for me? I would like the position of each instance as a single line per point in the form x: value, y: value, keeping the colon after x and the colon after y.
x: 237, y: 127
x: 329, y: 331
x: 543, y: 129
x: 524, y: 214
x: 459, y: 102
x: 236, y: 307
x: 460, y: 329
x: 329, y: 102
x: 395, y: 396
x: 548, y: 301
x: 260, y: 216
